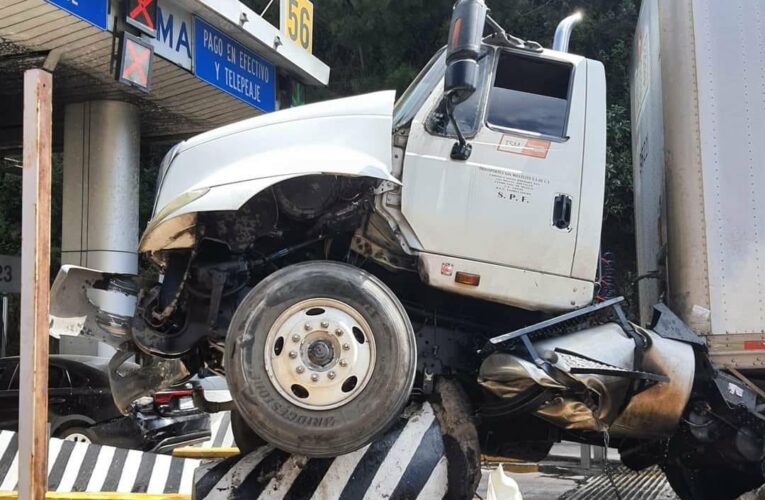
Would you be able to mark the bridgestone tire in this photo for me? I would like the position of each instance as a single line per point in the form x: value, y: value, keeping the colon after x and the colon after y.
x: 245, y: 438
x: 353, y: 424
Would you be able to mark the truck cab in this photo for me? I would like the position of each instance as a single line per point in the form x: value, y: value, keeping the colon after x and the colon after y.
x: 524, y: 211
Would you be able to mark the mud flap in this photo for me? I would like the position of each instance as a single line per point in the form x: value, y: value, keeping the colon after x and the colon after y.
x: 431, y: 452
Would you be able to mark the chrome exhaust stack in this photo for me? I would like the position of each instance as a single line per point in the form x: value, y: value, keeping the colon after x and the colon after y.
x: 563, y: 31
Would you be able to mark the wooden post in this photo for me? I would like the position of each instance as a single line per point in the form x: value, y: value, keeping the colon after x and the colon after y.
x: 35, y: 275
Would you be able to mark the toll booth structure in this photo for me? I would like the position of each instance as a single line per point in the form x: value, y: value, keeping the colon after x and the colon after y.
x: 130, y: 73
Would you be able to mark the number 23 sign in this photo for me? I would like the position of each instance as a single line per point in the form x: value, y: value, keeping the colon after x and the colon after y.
x: 10, y: 274
x: 296, y: 18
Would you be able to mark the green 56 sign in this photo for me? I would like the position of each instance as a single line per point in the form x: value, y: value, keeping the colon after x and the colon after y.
x: 296, y: 18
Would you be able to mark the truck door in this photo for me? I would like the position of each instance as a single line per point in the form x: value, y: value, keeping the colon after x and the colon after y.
x: 515, y: 201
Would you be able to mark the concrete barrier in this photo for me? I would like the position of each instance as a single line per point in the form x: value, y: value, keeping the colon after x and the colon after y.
x: 409, y: 461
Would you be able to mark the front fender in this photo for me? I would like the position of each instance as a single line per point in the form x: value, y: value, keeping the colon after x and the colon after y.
x: 222, y: 169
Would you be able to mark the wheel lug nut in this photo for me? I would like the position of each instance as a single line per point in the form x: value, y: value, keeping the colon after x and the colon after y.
x: 296, y: 338
x: 300, y: 369
x: 314, y: 377
x: 339, y: 332
x: 343, y: 363
x: 325, y: 324
x: 307, y: 326
x: 346, y: 347
x: 293, y: 354
x: 331, y: 375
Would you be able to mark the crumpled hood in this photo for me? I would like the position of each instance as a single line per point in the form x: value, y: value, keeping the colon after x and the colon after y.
x: 374, y: 104
x: 350, y: 136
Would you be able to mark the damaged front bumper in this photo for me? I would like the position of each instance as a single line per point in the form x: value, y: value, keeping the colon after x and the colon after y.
x: 99, y: 305
x: 153, y: 433
x: 80, y: 301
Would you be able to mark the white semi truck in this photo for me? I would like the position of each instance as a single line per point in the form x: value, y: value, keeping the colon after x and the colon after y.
x: 338, y: 259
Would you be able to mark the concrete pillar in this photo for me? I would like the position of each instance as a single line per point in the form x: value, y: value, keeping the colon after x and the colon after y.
x: 100, y: 206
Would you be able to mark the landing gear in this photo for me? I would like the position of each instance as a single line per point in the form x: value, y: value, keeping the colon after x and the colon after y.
x: 320, y: 358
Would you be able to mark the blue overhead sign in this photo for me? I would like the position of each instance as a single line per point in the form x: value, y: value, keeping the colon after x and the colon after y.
x: 92, y: 11
x: 224, y: 63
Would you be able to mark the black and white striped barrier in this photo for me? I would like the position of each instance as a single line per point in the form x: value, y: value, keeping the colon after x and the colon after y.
x: 221, y: 433
x: 409, y: 462
x: 83, y: 467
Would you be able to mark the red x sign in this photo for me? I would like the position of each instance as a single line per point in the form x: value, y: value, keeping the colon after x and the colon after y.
x: 135, y: 63
x: 143, y: 15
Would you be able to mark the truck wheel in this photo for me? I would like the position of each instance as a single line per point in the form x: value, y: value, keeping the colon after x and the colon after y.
x: 244, y: 437
x: 320, y: 358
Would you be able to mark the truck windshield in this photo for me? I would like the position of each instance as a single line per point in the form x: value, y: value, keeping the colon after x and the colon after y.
x: 418, y: 91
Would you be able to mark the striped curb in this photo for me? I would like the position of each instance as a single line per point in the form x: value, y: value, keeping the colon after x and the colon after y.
x: 83, y: 467
x: 409, y: 461
x: 221, y: 434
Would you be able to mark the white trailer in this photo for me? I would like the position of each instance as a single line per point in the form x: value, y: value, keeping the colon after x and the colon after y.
x: 698, y: 114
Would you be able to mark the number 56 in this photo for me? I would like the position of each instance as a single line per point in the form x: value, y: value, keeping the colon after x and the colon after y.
x: 298, y: 22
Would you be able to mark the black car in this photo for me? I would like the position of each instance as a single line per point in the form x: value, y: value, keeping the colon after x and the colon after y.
x: 80, y: 407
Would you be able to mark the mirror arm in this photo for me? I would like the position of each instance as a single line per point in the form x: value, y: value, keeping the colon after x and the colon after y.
x: 461, y: 150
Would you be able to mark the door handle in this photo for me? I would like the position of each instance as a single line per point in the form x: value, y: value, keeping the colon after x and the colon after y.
x: 562, y: 211
x: 57, y: 400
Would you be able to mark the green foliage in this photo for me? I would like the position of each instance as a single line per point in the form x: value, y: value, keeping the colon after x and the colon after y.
x: 10, y: 215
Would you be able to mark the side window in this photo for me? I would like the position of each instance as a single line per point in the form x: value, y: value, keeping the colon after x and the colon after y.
x: 57, y: 378
x: 15, y: 380
x: 12, y: 371
x: 530, y: 94
x: 79, y: 379
x: 468, y: 113
x: 5, y: 372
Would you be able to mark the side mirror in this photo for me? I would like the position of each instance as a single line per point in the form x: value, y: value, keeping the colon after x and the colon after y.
x: 463, y: 49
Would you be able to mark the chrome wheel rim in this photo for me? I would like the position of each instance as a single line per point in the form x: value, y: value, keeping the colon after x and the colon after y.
x: 320, y: 354
x: 77, y: 438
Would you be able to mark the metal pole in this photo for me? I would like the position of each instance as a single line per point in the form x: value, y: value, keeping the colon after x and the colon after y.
x: 4, y: 345
x: 586, y: 455
x: 599, y: 453
x: 102, y: 151
x: 35, y: 270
